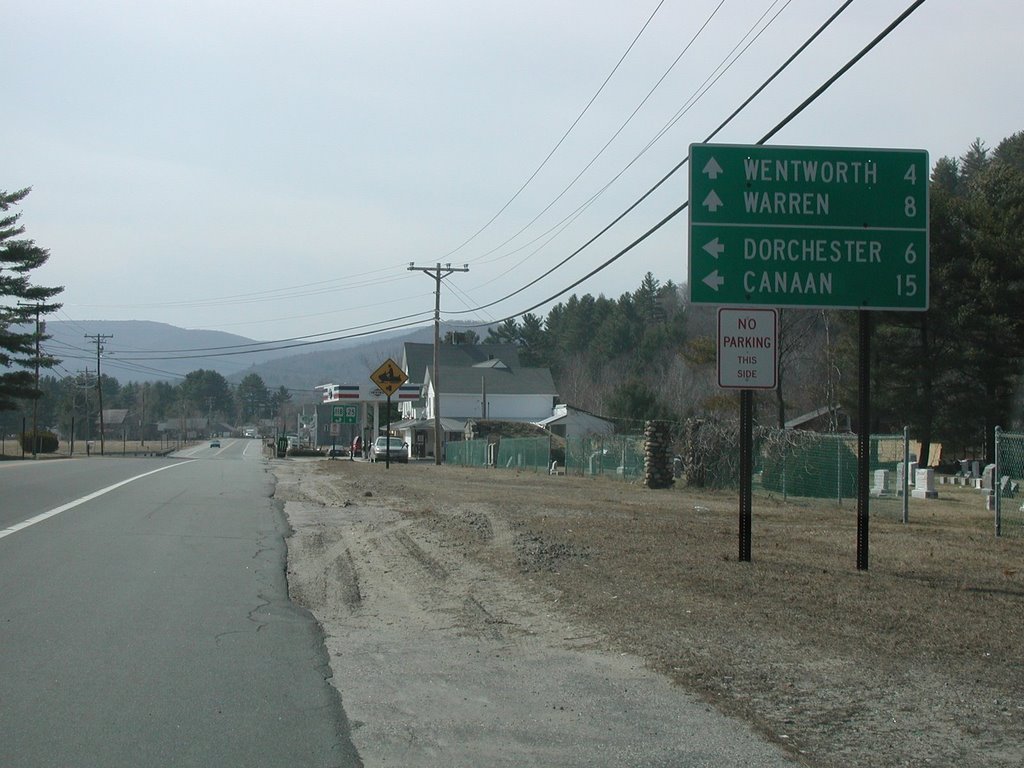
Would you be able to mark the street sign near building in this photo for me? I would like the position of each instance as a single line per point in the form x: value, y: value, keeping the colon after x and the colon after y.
x: 389, y: 377
x: 344, y: 414
x: 808, y: 227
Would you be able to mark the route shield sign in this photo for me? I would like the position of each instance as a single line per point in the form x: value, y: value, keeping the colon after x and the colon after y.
x: 389, y: 377
x: 344, y: 414
x: 808, y: 227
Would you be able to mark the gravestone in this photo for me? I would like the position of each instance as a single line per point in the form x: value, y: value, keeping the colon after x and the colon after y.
x: 910, y: 469
x: 1007, y: 487
x: 880, y: 487
x: 924, y: 485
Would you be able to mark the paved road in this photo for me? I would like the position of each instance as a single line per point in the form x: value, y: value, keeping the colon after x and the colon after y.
x: 150, y: 624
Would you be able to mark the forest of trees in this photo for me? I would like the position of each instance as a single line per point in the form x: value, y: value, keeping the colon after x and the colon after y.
x: 201, y: 394
x: 952, y: 374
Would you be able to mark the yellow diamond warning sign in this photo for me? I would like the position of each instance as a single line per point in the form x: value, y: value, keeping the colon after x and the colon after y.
x: 389, y: 377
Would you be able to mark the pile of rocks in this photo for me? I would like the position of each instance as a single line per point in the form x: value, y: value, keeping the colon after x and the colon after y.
x: 657, y: 455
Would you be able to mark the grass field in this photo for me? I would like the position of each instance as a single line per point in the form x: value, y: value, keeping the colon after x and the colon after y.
x: 11, y: 448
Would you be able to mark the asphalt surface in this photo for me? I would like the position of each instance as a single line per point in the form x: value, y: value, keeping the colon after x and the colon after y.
x: 150, y: 624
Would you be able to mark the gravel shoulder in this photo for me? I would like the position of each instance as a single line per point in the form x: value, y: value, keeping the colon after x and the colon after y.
x: 488, y: 617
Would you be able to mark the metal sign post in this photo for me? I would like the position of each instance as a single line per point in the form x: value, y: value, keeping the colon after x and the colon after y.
x: 389, y: 377
x: 748, y: 343
x: 808, y: 227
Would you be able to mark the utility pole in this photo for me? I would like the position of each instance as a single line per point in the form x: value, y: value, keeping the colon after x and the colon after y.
x: 35, y: 400
x: 437, y: 273
x: 99, y: 338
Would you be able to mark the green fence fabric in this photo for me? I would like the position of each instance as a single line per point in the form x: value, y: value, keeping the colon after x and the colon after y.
x: 612, y: 455
x: 528, y: 453
x: 466, y: 453
x: 1010, y: 515
x: 787, y: 463
x: 824, y: 466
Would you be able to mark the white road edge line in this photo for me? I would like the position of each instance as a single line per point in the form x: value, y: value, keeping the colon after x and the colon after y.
x: 71, y: 504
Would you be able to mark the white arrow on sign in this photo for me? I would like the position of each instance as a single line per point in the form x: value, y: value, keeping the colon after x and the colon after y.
x: 715, y: 248
x: 714, y: 280
x: 712, y: 169
x: 712, y: 202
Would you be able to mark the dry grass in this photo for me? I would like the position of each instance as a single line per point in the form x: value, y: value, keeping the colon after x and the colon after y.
x: 10, y: 448
x: 917, y: 661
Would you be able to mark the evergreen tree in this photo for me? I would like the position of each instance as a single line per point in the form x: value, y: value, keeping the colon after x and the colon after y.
x: 252, y: 397
x: 507, y: 332
x: 951, y: 372
x: 280, y: 399
x: 25, y: 301
x: 206, y: 393
x: 536, y: 350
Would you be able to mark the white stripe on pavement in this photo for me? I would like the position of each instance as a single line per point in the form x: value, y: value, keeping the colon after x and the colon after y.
x: 71, y: 504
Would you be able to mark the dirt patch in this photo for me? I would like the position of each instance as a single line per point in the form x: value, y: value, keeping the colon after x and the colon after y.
x: 918, y: 661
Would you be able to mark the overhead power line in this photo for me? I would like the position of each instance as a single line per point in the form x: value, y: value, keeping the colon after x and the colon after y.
x: 671, y: 173
x: 357, y: 331
x: 615, y: 135
x: 763, y: 140
x: 724, y: 66
x: 565, y: 135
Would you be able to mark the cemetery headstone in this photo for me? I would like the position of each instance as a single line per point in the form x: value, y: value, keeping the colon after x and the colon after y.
x: 924, y: 485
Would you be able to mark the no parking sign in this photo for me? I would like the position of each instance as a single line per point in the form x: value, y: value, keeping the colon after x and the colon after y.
x: 748, y: 341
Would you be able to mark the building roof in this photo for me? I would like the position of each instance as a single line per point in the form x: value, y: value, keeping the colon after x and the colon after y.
x: 562, y: 413
x: 447, y: 424
x: 841, y: 417
x: 418, y: 358
x: 114, y: 416
x: 497, y: 381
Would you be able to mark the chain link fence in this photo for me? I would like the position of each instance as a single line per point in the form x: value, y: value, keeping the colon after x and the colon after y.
x: 824, y: 466
x: 466, y: 453
x: 1009, y: 474
x: 794, y: 463
x: 619, y: 456
x: 787, y: 463
x: 524, y: 453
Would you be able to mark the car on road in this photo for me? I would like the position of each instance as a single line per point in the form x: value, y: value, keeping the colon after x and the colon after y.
x: 335, y: 453
x: 390, y: 448
x: 215, y: 443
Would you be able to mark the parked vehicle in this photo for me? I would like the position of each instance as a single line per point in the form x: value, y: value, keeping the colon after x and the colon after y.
x: 390, y: 448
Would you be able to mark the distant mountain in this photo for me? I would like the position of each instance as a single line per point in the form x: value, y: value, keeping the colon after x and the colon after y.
x: 140, y: 350
x: 304, y: 371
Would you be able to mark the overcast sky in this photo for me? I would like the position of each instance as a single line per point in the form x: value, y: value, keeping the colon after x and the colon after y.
x: 271, y: 169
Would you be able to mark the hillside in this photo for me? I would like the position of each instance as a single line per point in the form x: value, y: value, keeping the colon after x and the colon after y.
x: 141, y: 350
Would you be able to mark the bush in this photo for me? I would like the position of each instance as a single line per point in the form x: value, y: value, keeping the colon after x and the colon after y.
x: 709, y: 454
x: 47, y: 442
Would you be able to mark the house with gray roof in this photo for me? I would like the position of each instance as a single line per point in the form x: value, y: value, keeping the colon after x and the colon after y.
x: 418, y: 358
x: 476, y: 381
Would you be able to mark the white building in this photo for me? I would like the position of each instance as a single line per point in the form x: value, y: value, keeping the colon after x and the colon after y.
x: 567, y: 421
x: 477, y: 381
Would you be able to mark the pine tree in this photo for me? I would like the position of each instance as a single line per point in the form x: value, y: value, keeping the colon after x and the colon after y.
x: 24, y: 302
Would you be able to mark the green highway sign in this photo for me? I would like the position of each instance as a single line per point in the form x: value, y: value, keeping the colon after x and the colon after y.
x: 808, y: 227
x: 344, y: 414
